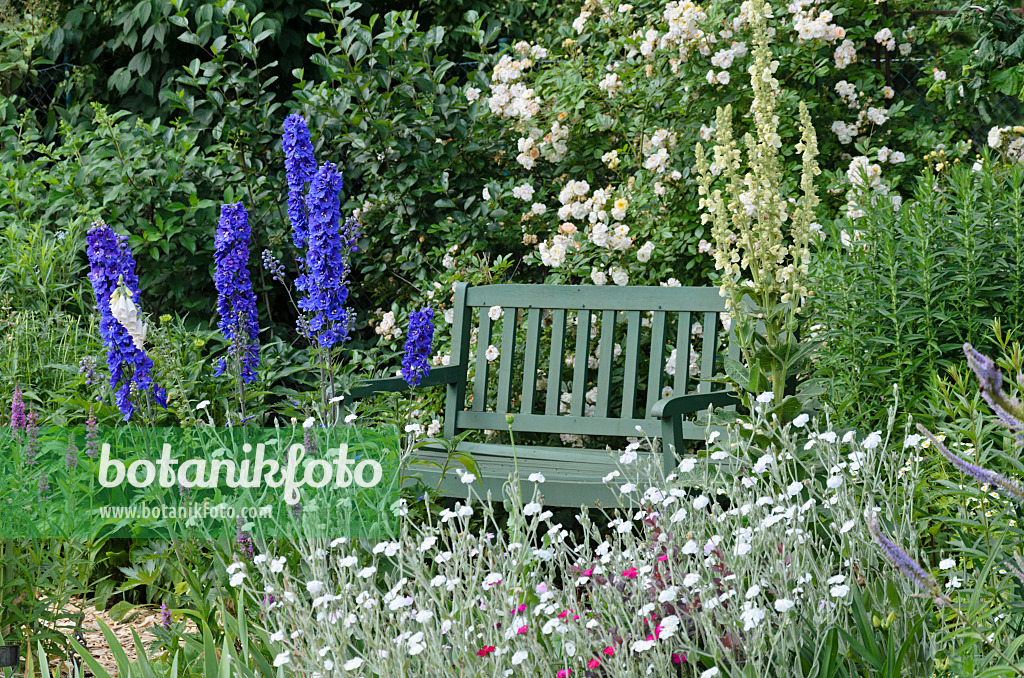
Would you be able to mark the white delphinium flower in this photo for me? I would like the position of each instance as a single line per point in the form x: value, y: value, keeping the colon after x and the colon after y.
x: 127, y: 314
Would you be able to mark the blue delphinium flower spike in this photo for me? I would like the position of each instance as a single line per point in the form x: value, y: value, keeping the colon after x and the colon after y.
x: 236, y: 302
x: 418, y: 342
x: 111, y: 264
x: 323, y: 282
x: 300, y: 167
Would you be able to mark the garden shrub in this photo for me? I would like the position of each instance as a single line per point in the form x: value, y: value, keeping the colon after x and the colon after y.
x: 900, y: 291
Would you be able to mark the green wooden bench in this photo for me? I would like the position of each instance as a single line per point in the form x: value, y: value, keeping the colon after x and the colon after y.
x: 624, y: 386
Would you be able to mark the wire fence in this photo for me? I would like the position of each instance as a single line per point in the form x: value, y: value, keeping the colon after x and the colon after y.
x: 50, y: 85
x: 996, y: 110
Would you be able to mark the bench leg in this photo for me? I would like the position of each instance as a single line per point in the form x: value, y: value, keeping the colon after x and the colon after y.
x: 671, y: 439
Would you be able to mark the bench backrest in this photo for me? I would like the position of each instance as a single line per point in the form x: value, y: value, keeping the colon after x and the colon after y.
x: 537, y: 320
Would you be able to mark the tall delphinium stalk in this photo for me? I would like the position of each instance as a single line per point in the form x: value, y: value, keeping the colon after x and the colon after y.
x: 418, y: 341
x: 761, y: 242
x: 236, y: 301
x: 323, y: 282
x: 300, y: 167
x: 116, y: 286
x: 315, y: 214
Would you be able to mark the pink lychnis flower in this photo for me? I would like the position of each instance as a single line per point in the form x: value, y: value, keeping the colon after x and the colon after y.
x: 522, y: 629
x: 564, y: 673
x: 485, y: 650
x: 593, y: 664
x: 631, y: 573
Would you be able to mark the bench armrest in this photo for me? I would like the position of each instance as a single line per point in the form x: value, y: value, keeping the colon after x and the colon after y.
x: 692, y: 402
x: 671, y: 410
x: 450, y: 374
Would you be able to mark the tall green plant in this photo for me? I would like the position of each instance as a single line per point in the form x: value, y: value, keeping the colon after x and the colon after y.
x: 900, y: 291
x: 762, y: 260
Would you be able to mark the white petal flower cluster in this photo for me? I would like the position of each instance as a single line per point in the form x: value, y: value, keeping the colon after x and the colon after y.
x: 1009, y: 141
x: 127, y: 314
x: 388, y: 327
x: 847, y: 91
x: 810, y: 24
x: 867, y: 189
x: 511, y: 99
x: 885, y: 38
x: 657, y: 148
x: 611, y: 83
x: 683, y: 33
x: 845, y: 54
x: 846, y: 132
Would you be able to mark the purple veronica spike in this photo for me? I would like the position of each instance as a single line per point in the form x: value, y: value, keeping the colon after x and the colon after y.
x: 907, y: 565
x: 1008, y: 409
x: 17, y: 409
x: 300, y: 167
x: 244, y: 540
x: 236, y: 302
x: 989, y: 375
x: 323, y: 283
x: 110, y: 264
x: 418, y: 341
x: 92, y: 435
x: 982, y: 475
x: 71, y: 455
x: 165, y: 616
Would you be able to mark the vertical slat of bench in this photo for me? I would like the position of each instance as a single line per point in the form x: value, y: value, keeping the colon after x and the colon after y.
x: 555, y: 361
x: 605, y: 363
x: 657, y: 367
x: 707, y: 357
x: 580, y: 360
x: 632, y: 364
x: 483, y: 341
x: 455, y: 400
x: 508, y: 349
x: 530, y: 354
x: 682, y: 355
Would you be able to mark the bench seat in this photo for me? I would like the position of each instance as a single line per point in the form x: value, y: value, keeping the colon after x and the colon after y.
x: 607, y: 396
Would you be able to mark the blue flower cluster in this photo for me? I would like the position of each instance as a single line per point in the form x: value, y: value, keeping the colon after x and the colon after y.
x: 315, y: 213
x: 236, y: 302
x: 300, y: 166
x: 111, y: 263
x: 323, y: 281
x: 418, y: 342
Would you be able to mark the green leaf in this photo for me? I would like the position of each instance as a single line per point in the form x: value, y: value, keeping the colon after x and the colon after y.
x: 789, y: 409
x: 121, y: 610
x: 120, y: 80
x: 735, y: 370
